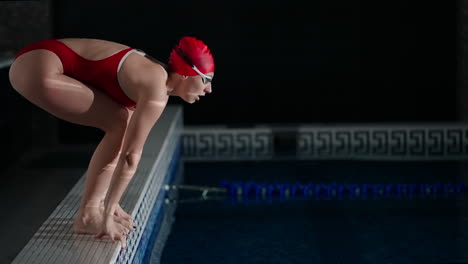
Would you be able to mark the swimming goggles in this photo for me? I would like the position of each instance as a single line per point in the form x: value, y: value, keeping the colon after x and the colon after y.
x: 205, y: 78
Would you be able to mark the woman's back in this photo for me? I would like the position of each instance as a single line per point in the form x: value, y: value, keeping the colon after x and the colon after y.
x: 93, y: 49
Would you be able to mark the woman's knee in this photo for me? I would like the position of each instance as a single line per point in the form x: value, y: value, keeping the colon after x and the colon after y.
x: 15, y: 77
x: 30, y: 68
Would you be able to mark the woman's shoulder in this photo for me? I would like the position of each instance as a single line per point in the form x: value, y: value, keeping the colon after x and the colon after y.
x: 144, y: 68
x: 144, y: 74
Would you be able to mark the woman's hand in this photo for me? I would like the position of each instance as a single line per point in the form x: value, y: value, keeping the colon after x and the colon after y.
x: 113, y: 230
x: 123, y: 218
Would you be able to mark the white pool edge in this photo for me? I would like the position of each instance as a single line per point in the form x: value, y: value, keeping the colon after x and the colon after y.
x: 54, y: 241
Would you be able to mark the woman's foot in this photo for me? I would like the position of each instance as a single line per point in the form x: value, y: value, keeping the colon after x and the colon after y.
x: 90, y: 220
x: 123, y: 216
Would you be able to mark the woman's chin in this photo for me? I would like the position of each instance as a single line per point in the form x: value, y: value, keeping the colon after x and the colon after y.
x: 190, y: 101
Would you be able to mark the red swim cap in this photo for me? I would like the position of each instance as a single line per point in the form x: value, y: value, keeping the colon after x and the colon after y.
x: 196, y: 51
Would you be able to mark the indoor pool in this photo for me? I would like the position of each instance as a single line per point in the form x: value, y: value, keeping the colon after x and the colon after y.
x: 320, y: 212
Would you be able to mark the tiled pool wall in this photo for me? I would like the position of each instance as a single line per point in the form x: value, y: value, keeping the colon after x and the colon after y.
x: 378, y: 142
x: 159, y: 221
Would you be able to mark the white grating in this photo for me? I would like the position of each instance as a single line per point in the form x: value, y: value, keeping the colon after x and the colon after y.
x: 54, y: 242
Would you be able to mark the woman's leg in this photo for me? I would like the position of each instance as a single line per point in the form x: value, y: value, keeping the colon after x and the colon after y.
x: 38, y: 76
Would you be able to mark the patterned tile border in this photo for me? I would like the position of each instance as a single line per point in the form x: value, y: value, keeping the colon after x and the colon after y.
x: 219, y: 143
x: 383, y: 142
x: 399, y: 142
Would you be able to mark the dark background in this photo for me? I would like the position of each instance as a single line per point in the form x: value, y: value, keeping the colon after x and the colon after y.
x: 277, y: 62
x: 296, y: 61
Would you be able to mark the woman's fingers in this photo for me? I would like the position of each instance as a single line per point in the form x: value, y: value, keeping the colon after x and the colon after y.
x: 116, y: 237
x: 124, y: 231
x: 115, y: 231
x: 124, y: 223
x: 122, y: 239
x: 128, y: 219
x: 100, y: 235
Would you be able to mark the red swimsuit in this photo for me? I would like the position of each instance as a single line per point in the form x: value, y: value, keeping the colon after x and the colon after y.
x: 101, y: 74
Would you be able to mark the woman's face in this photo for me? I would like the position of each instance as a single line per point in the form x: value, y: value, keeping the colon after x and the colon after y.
x: 191, y: 88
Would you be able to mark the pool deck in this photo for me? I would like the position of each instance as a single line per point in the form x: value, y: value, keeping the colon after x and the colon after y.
x: 37, y: 215
x: 26, y: 206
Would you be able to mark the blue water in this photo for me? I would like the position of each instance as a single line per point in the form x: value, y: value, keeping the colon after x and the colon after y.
x: 431, y: 229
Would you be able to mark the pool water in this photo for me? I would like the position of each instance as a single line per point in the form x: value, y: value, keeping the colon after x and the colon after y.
x: 404, y: 229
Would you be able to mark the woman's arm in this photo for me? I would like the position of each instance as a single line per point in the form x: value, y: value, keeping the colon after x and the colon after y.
x: 151, y: 102
x: 141, y: 123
